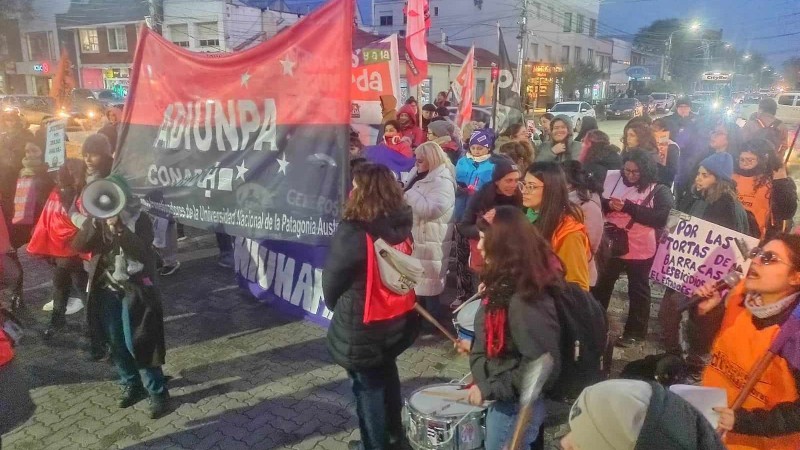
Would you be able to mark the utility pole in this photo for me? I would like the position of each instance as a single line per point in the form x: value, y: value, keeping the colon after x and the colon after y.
x: 523, y: 43
x: 156, y: 15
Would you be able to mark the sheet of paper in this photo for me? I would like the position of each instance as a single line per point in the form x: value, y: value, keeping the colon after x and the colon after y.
x: 704, y: 399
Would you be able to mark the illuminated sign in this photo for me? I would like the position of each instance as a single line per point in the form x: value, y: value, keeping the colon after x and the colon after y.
x: 638, y: 73
x: 716, y: 76
x: 41, y: 68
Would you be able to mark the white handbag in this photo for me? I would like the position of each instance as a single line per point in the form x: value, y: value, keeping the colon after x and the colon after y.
x: 399, y: 272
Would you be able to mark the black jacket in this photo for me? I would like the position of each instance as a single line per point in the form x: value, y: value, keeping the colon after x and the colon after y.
x: 353, y: 344
x: 533, y: 330
x: 673, y: 424
x: 722, y: 212
x: 599, y: 167
x: 146, y: 313
x: 667, y: 172
x: 481, y: 203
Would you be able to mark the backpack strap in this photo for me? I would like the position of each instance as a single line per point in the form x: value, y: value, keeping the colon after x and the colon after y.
x: 646, y: 201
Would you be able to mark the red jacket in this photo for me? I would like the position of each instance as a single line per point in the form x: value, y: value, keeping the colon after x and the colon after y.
x: 412, y: 131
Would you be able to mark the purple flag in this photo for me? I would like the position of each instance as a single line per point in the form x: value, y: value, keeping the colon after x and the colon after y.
x: 787, y: 343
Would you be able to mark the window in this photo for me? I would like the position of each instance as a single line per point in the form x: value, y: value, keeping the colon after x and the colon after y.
x: 565, y: 54
x: 435, y: 10
x: 579, y: 28
x: 590, y: 56
x: 39, y: 46
x: 179, y: 34
x: 387, y: 21
x: 537, y: 7
x: 207, y: 34
x: 117, y: 39
x: 567, y: 22
x: 578, y: 54
x: 786, y: 100
x: 89, y: 43
x: 548, y: 53
x: 552, y: 14
x: 535, y: 52
x: 592, y: 27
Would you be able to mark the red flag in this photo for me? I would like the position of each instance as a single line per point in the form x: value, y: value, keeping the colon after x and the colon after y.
x: 418, y: 22
x: 463, y: 88
x: 63, y: 83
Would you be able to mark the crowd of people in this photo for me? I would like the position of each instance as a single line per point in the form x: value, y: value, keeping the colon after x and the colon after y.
x: 527, y: 213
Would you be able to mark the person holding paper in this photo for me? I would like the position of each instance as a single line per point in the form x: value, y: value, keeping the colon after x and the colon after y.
x: 756, y: 312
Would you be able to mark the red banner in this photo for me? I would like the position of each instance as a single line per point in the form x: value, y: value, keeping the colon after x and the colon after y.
x: 464, y: 87
x: 418, y: 22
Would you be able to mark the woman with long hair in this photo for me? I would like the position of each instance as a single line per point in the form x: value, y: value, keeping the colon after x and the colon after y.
x: 598, y: 156
x: 517, y: 323
x: 764, y: 187
x: 638, y: 204
x: 756, y: 311
x: 518, y: 133
x: 543, y: 134
x: 366, y: 349
x: 585, y: 192
x: 431, y: 193
x: 587, y: 124
x: 560, y: 146
x: 546, y: 195
x: 638, y: 135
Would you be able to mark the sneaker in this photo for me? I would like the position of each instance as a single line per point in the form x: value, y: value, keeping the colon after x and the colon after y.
x: 131, y: 395
x: 225, y: 260
x: 169, y: 270
x: 182, y: 238
x: 159, y: 405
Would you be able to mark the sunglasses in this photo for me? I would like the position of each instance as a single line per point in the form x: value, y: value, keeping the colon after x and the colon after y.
x: 767, y: 257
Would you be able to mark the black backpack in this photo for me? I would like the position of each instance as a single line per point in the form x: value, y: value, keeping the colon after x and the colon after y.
x: 771, y: 133
x: 585, y: 347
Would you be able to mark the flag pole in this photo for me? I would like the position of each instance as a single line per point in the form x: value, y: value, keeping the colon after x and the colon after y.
x: 496, y: 85
x: 419, y: 104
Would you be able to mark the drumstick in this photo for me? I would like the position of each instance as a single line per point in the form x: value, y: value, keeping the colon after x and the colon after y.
x: 533, y: 379
x: 469, y: 300
x: 424, y: 313
x: 445, y: 395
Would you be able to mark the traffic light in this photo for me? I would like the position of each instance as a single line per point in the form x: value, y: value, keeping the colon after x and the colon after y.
x: 495, y: 72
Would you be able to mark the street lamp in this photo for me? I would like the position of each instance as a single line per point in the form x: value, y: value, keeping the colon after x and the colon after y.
x: 695, y: 26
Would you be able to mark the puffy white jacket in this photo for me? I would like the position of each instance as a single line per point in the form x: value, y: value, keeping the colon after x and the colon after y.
x: 432, y: 200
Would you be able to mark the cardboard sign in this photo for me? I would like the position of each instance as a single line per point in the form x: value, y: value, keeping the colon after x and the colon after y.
x: 696, y: 251
x: 55, y: 150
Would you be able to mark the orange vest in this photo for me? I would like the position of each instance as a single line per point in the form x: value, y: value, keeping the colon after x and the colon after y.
x: 736, y: 350
x: 755, y: 200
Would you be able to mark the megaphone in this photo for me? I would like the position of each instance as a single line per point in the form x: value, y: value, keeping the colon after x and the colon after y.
x: 103, y: 199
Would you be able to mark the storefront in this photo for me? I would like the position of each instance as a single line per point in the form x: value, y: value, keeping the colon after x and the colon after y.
x: 540, y: 84
x: 38, y: 75
x: 114, y: 77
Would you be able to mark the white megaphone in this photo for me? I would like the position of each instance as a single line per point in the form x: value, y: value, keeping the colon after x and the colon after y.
x: 103, y: 199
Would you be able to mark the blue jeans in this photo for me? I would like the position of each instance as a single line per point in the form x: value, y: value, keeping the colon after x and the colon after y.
x: 500, y: 420
x: 116, y: 324
x: 378, y: 405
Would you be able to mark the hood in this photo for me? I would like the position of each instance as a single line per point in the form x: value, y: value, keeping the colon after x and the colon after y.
x: 443, y: 171
x: 388, y: 102
x: 394, y: 228
x: 408, y: 109
x: 568, y: 225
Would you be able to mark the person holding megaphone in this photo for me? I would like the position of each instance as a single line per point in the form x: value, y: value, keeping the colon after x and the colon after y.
x: 124, y: 301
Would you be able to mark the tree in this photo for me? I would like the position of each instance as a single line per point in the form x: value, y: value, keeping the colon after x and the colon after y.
x: 577, y: 77
x: 791, y: 72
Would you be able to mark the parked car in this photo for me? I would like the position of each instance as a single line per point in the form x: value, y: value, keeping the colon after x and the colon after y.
x: 648, y: 103
x: 625, y: 108
x: 85, y: 102
x: 109, y: 98
x: 479, y: 113
x: 35, y: 110
x: 664, y: 101
x: 576, y: 111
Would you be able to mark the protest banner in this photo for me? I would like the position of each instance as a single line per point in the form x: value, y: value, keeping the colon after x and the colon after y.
x: 375, y: 73
x: 695, y: 251
x: 55, y: 149
x: 251, y: 143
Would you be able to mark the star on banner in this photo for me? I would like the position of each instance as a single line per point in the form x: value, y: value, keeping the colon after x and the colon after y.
x: 240, y: 171
x: 288, y: 66
x: 245, y: 79
x: 282, y: 163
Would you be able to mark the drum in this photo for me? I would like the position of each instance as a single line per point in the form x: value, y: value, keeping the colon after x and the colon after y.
x: 439, y: 418
x: 465, y: 320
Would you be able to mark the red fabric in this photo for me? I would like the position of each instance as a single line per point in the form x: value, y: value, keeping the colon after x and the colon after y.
x: 465, y: 84
x: 475, y: 257
x: 495, y: 330
x: 416, y: 42
x: 5, y: 244
x: 6, y: 348
x: 54, y: 231
x: 381, y: 303
x: 25, y: 202
x: 398, y: 145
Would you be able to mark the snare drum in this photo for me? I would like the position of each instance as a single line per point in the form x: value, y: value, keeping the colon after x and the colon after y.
x: 437, y: 422
x: 465, y: 320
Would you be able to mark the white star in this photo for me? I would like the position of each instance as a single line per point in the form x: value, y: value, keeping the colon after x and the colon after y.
x: 282, y: 163
x: 245, y: 79
x: 240, y: 171
x: 288, y: 66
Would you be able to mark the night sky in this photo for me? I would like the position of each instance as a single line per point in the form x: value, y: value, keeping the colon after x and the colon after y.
x: 742, y: 21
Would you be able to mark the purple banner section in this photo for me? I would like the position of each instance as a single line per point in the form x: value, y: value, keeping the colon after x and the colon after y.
x: 288, y: 275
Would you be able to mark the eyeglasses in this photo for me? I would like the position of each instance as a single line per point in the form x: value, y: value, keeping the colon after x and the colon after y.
x: 528, y: 188
x: 767, y: 257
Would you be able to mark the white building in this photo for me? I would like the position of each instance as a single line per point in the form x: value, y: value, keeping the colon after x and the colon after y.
x: 40, y: 48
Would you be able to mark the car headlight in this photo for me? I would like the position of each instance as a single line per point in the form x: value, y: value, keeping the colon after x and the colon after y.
x: 91, y: 114
x: 8, y: 109
x: 715, y: 105
x: 63, y: 115
x: 729, y: 112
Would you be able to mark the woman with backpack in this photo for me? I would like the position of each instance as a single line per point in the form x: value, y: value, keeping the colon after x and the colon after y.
x: 516, y: 324
x: 637, y: 204
x: 764, y: 187
x: 367, y: 334
x: 546, y: 196
x: 584, y: 192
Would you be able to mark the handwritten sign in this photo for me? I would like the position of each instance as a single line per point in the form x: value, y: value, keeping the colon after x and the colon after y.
x: 55, y: 151
x: 697, y: 251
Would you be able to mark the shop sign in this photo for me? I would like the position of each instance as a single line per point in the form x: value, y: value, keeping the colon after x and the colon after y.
x: 41, y: 68
x: 638, y: 73
x: 716, y: 76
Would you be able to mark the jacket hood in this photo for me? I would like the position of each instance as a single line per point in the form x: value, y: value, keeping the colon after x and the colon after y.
x: 408, y: 109
x: 388, y: 102
x: 568, y: 225
x: 440, y: 172
x: 394, y: 228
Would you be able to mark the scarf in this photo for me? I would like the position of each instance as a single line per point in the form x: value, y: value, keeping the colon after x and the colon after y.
x: 496, y: 302
x: 757, y: 308
x: 532, y: 215
x: 479, y: 159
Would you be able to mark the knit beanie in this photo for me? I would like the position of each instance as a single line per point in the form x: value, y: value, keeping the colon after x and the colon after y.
x: 502, y: 167
x: 720, y: 164
x: 440, y: 128
x: 609, y: 415
x: 483, y: 137
x: 96, y: 144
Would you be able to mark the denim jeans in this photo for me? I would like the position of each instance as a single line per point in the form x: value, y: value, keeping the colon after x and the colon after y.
x: 501, y: 418
x: 116, y: 324
x: 378, y: 405
x: 66, y: 273
x: 638, y: 292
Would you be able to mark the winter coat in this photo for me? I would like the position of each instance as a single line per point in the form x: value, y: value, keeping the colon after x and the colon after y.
x: 412, y: 130
x: 532, y: 330
x: 481, y: 203
x: 671, y: 423
x: 388, y: 109
x: 570, y: 241
x: 594, y: 222
x: 353, y: 344
x: 771, y: 204
x: 598, y: 167
x: 397, y: 159
x: 726, y: 212
x: 141, y: 290
x: 684, y: 131
x: 450, y: 147
x: 470, y: 173
x: 432, y: 201
x: 544, y: 152
x: 668, y: 164
x: 753, y: 129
